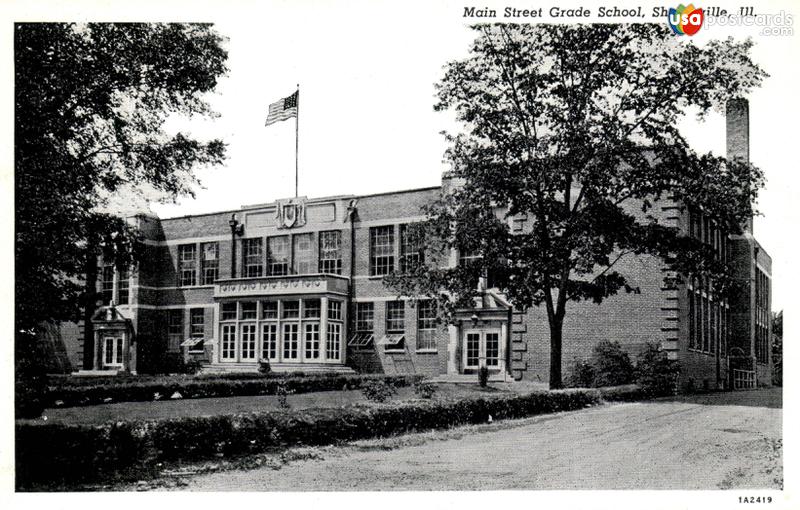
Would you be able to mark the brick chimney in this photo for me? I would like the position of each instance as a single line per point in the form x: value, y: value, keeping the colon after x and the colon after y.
x: 737, y: 136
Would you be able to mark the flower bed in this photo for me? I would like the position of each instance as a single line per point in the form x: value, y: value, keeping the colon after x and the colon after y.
x: 133, y: 390
x: 53, y: 454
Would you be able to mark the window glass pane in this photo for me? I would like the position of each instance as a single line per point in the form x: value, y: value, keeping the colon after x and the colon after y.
x: 334, y: 341
x: 210, y: 269
x: 311, y: 335
x: 311, y: 308
x: 247, y: 310
x: 334, y: 310
x: 278, y: 255
x: 197, y: 322
x: 381, y: 250
x: 228, y: 311
x: 291, y: 309
x: 426, y: 324
x: 410, y: 250
x: 365, y: 313
x: 253, y: 257
x: 187, y: 264
x: 269, y: 309
x: 330, y: 252
x: 290, y: 340
x: 303, y: 254
x: 107, y: 284
x: 395, y: 317
x: 124, y: 286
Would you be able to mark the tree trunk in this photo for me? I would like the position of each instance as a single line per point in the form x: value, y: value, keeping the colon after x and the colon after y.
x: 556, y: 335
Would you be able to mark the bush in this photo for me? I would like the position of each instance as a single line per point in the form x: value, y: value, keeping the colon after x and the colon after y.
x: 612, y: 366
x: 425, y: 389
x: 264, y: 367
x: 377, y: 391
x: 483, y: 377
x: 582, y: 375
x: 30, y: 379
x: 54, y: 454
x: 132, y: 390
x: 655, y: 373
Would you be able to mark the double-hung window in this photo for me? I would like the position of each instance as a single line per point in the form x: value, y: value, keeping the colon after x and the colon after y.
x: 426, y: 325
x: 253, y: 257
x: 278, y: 255
x: 210, y: 263
x: 187, y: 265
x: 330, y: 252
x: 381, y: 250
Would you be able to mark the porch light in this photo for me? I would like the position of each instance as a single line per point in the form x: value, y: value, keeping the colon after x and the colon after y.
x: 474, y: 320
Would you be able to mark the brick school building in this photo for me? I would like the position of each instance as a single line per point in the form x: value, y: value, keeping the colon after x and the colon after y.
x: 298, y: 282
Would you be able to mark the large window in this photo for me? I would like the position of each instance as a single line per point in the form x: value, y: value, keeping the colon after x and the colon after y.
x: 175, y: 329
x: 278, y: 255
x: 426, y: 325
x: 381, y: 250
x: 395, y: 325
x: 197, y: 328
x: 410, y: 249
x: 333, y: 344
x: 187, y: 265
x: 364, y: 334
x: 107, y: 284
x: 253, y: 257
x: 330, y: 252
x: 210, y: 264
x: 762, y: 317
x: 303, y: 254
x: 124, y: 287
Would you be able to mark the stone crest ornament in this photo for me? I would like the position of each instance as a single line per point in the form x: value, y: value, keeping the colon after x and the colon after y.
x: 291, y: 212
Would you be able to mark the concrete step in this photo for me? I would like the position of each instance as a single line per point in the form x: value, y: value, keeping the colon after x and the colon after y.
x: 228, y: 368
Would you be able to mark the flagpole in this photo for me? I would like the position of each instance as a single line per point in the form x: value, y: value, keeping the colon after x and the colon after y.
x: 296, y: 141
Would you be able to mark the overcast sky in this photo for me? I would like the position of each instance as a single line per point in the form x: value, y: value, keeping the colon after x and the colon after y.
x: 367, y: 72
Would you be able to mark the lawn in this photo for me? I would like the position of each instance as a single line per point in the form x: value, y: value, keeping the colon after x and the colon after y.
x: 162, y: 409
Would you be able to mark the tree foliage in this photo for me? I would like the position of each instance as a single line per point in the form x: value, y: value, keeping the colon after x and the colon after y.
x: 576, y: 126
x: 91, y: 106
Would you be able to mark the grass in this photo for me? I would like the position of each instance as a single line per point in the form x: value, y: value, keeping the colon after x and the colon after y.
x: 163, y: 409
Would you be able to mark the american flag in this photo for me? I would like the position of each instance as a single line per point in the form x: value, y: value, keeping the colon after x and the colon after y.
x: 282, y: 109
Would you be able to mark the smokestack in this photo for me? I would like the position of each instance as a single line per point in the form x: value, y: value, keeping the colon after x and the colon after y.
x: 737, y: 136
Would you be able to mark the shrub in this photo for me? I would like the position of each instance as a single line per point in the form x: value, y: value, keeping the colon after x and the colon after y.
x: 30, y: 379
x: 425, y: 389
x: 377, y: 391
x: 483, y: 377
x: 264, y: 367
x: 53, y: 454
x: 132, y: 390
x: 582, y: 375
x: 655, y: 373
x: 612, y: 366
x: 282, y: 392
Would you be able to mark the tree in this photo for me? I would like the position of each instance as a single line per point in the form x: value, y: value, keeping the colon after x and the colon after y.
x: 91, y: 104
x: 777, y: 348
x: 575, y: 125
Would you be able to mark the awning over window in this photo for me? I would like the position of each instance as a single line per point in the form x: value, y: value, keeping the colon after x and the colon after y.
x: 392, y: 339
x: 191, y: 342
x: 360, y: 339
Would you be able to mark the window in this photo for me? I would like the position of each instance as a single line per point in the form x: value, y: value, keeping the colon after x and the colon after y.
x: 303, y: 254
x: 248, y: 341
x: 395, y: 317
x: 291, y: 309
x: 124, y: 287
x: 228, y: 312
x: 187, y: 265
x: 197, y: 322
x: 290, y: 340
x: 311, y: 309
x: 247, y: 311
x: 269, y: 310
x: 197, y: 329
x: 330, y: 252
x: 175, y: 329
x: 381, y: 250
x: 311, y: 340
x: 762, y: 319
x: 364, y: 326
x: 210, y: 265
x: 253, y: 257
x: 107, y: 284
x: 229, y: 341
x: 365, y: 316
x: 468, y: 257
x: 269, y: 341
x: 426, y: 325
x: 334, y: 310
x: 410, y: 249
x: 492, y: 349
x: 278, y: 256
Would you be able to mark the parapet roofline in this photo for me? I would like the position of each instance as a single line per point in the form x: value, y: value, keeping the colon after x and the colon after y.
x: 309, y: 200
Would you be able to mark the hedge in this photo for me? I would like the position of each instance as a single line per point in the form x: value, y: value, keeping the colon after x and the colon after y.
x: 53, y: 455
x: 201, y: 387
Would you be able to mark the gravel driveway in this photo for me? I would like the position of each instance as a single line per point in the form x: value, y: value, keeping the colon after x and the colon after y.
x: 720, y: 441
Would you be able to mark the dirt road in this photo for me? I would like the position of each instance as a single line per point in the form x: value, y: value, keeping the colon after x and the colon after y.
x: 706, y: 442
